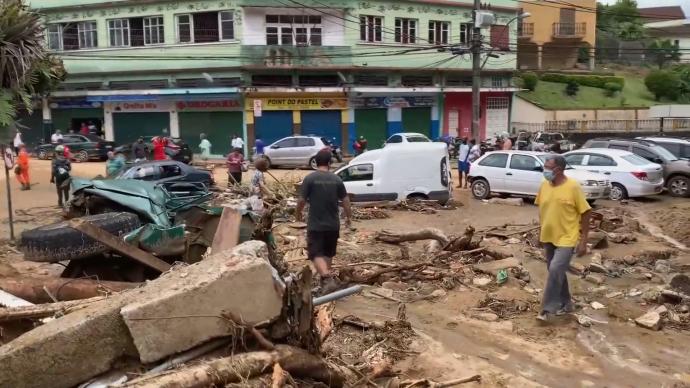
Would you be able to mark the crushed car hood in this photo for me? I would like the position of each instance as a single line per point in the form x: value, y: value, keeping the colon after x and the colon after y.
x: 143, y: 198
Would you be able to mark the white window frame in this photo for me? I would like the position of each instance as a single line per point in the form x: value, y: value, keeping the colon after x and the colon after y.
x: 50, y: 39
x: 281, y: 27
x: 409, y: 34
x: 444, y: 31
x: 497, y: 103
x: 191, y: 27
x: 221, y: 37
x: 89, y: 35
x: 466, y: 33
x: 112, y: 29
x: 370, y: 24
x: 150, y: 27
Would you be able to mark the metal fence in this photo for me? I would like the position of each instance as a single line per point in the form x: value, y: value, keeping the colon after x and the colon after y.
x: 613, y: 126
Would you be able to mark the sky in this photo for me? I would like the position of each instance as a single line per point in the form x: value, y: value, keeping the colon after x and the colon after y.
x: 657, y: 3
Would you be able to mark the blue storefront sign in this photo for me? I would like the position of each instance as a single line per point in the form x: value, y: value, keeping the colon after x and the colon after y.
x: 394, y: 102
x: 73, y: 104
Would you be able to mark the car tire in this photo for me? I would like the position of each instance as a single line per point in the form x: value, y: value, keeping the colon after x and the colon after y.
x: 59, y: 242
x: 618, y: 192
x: 43, y: 155
x: 81, y: 156
x: 679, y: 186
x: 312, y: 164
x: 480, y: 189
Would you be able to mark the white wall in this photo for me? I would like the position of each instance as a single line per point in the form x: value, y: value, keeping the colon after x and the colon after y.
x: 254, y: 24
x: 526, y: 112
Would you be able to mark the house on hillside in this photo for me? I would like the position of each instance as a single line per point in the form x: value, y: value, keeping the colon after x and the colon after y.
x: 669, y: 23
x: 557, y: 35
x: 269, y: 69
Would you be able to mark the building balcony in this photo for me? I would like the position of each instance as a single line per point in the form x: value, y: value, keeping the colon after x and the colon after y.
x: 525, y: 30
x: 296, y: 56
x: 569, y: 30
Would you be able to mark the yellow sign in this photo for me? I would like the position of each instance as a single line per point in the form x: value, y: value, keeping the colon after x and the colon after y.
x: 297, y: 103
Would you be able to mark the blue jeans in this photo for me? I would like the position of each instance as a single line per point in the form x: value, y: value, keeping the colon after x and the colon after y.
x: 556, y: 292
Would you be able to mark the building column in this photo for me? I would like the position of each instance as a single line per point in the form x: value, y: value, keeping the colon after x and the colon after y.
x: 539, y: 56
x: 592, y: 58
x: 249, y: 132
x: 108, y: 124
x: 394, y: 124
x: 296, y: 122
x: 47, y: 119
x: 174, y: 124
x: 347, y: 131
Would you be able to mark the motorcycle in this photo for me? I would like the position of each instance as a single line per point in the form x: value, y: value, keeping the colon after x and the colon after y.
x: 335, y: 150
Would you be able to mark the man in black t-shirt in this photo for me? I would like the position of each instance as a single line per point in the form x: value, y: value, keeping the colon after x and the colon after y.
x: 323, y: 190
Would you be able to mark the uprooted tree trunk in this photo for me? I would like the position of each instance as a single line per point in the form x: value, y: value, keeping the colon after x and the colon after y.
x: 44, y: 310
x: 297, y: 362
x: 440, y: 242
x: 34, y: 289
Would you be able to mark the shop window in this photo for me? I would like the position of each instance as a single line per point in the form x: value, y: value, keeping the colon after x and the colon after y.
x: 72, y: 36
x: 205, y: 27
x: 406, y: 31
x: 319, y: 80
x: 294, y: 30
x: 370, y: 29
x: 272, y: 80
x: 438, y: 32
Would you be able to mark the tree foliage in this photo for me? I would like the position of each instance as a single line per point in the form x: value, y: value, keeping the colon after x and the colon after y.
x: 662, y: 52
x: 663, y: 83
x: 529, y: 80
x: 572, y: 88
x: 26, y: 68
x: 622, y: 19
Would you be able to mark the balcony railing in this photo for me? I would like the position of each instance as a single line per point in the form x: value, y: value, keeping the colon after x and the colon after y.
x: 569, y: 30
x: 525, y: 30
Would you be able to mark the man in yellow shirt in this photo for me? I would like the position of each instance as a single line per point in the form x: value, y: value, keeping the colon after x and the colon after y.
x: 564, y: 217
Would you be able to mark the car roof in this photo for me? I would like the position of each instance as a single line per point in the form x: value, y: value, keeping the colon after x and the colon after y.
x: 605, y: 151
x: 666, y: 140
x: 409, y: 134
x: 517, y: 152
x: 619, y: 140
x: 154, y: 162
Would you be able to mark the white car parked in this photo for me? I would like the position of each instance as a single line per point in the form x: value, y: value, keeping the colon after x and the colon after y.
x: 406, y: 137
x: 630, y: 175
x: 521, y: 173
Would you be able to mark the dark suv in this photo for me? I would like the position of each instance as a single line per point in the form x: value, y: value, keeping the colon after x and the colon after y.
x: 676, y: 171
x: 82, y: 147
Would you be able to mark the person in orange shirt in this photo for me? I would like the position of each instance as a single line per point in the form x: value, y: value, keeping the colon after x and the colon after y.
x: 22, y: 168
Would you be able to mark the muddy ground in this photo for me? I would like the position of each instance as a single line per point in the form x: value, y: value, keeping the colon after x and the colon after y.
x: 462, y: 329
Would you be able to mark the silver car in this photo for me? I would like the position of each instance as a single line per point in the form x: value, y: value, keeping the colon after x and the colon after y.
x: 295, y: 151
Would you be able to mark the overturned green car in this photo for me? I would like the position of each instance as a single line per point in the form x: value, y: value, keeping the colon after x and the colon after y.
x: 177, y: 223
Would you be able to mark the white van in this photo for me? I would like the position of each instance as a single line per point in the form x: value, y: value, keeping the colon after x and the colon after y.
x: 418, y: 170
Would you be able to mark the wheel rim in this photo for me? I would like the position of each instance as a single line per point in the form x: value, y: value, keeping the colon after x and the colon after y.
x: 616, y: 193
x: 479, y: 189
x: 42, y: 155
x: 82, y: 156
x: 679, y: 187
x: 312, y: 163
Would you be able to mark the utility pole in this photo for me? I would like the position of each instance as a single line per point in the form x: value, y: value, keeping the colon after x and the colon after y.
x: 476, y: 50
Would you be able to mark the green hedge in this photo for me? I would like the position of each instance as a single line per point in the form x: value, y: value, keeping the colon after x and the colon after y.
x: 595, y: 81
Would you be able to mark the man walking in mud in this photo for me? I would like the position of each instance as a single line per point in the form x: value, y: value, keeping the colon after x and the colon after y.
x: 323, y: 190
x: 564, y: 218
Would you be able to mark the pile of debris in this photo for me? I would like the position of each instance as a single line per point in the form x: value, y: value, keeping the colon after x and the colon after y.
x: 425, y: 206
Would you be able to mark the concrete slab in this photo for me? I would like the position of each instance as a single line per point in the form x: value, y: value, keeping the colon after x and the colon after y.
x: 70, y: 349
x: 492, y: 267
x: 186, y: 308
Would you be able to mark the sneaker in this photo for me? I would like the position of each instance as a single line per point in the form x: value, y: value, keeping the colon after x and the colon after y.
x: 544, y: 316
x: 330, y: 285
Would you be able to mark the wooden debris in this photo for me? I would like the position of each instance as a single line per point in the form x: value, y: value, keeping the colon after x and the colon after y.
x: 431, y: 384
x: 227, y: 234
x: 279, y: 377
x: 44, y: 310
x: 423, y: 234
x: 237, y: 368
x: 324, y: 320
x: 31, y: 289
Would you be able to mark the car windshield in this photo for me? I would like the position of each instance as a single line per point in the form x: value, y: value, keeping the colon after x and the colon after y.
x: 417, y: 139
x: 664, y: 153
x: 544, y: 157
x: 634, y: 159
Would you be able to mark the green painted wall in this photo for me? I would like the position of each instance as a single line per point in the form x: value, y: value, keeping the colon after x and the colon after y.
x: 218, y: 127
x: 371, y: 123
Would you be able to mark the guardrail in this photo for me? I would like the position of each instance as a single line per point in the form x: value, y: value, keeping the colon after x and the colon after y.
x: 613, y: 126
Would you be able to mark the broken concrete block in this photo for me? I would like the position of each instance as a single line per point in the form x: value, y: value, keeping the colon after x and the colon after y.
x: 68, y: 350
x: 597, y: 306
x: 186, y: 310
x: 661, y: 310
x: 481, y: 281
x: 488, y: 317
x: 630, y: 260
x: 651, y: 321
x: 662, y: 266
x: 597, y: 267
x: 577, y: 268
x: 492, y: 267
x: 595, y: 278
x: 614, y: 294
x: 395, y: 286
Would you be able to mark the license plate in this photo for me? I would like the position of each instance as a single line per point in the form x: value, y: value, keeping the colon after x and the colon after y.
x: 108, y: 146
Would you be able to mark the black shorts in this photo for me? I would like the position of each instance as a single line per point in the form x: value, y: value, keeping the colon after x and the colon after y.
x: 322, y: 243
x: 234, y: 177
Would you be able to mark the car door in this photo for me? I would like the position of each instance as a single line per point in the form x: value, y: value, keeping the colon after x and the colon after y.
x: 280, y: 151
x: 494, y: 166
x: 524, y: 175
x: 303, y: 151
x: 360, y: 184
x: 602, y: 164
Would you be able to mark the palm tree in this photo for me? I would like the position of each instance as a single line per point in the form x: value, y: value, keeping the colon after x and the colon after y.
x: 26, y: 68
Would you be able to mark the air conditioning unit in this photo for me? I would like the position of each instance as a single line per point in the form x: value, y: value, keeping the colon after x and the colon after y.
x: 485, y: 19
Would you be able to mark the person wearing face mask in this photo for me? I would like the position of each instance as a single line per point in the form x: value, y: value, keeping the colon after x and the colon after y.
x: 564, y: 218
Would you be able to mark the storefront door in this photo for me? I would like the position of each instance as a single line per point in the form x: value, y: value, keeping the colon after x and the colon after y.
x: 323, y: 123
x: 417, y: 120
x: 371, y: 123
x: 273, y: 126
x: 219, y: 128
x: 129, y: 126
